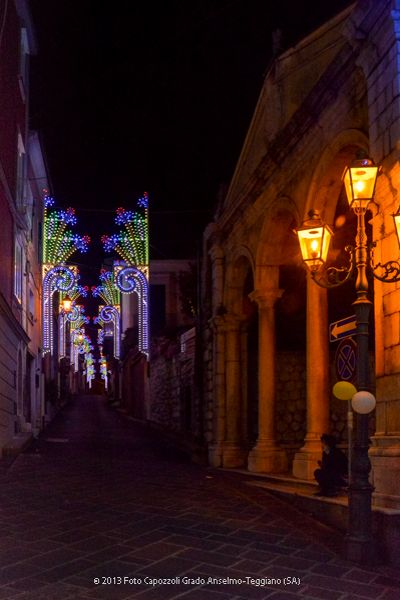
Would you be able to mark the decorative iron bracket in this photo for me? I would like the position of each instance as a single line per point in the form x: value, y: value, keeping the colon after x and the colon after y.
x: 388, y: 272
x: 331, y: 277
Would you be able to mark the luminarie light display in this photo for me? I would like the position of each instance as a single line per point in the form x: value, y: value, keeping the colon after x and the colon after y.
x: 132, y: 244
x: 110, y: 314
x: 75, y: 319
x: 58, y: 278
x: 108, y: 291
x: 59, y: 243
x: 132, y: 279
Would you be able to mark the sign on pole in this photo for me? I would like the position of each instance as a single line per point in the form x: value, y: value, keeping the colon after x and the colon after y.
x: 346, y: 360
x: 343, y: 328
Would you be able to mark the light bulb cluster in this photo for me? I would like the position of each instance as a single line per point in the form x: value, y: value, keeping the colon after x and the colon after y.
x: 108, y: 291
x: 110, y: 314
x: 132, y: 244
x: 103, y: 370
x: 59, y: 243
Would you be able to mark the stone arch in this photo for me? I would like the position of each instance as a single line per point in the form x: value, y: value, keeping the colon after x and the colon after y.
x: 242, y: 320
x: 277, y: 240
x: 237, y: 271
x: 326, y: 180
x: 326, y: 194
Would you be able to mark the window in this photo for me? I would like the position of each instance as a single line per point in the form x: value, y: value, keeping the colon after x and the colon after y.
x: 29, y: 209
x: 39, y: 240
x: 23, y: 63
x: 21, y: 173
x: 31, y: 305
x: 18, y: 271
x: 158, y: 308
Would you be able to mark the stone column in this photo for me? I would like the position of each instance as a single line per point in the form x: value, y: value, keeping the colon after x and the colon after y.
x: 266, y: 456
x: 305, y: 460
x: 217, y: 323
x: 233, y: 451
x: 218, y: 370
x: 217, y: 262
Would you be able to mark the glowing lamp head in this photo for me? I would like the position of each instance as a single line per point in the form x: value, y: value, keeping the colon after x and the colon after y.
x: 359, y: 181
x: 67, y: 304
x: 314, y: 239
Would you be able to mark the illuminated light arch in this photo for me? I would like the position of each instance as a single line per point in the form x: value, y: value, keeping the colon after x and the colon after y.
x: 76, y: 319
x: 128, y: 281
x: 110, y: 314
x: 132, y: 244
x: 59, y: 278
x: 103, y: 370
x: 90, y: 370
x: 63, y: 317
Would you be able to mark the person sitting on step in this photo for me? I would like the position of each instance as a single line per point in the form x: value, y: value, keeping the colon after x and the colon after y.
x: 333, y: 467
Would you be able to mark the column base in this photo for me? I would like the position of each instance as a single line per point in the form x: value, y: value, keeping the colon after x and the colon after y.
x: 385, y: 475
x: 306, y: 459
x: 215, y: 455
x: 233, y: 455
x: 267, y: 458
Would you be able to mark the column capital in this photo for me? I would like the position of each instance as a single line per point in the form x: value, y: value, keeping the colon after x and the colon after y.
x: 216, y: 253
x: 266, y: 298
x: 226, y: 322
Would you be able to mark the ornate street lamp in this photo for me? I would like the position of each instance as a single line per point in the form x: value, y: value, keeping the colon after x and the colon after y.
x: 314, y: 238
x: 359, y: 180
x: 396, y: 219
x: 67, y: 304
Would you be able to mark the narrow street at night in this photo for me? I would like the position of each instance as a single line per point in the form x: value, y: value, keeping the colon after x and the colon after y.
x: 99, y: 499
x: 200, y: 300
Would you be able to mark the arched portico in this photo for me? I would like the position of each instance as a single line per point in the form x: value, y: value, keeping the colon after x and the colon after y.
x: 325, y: 195
x: 233, y: 311
x: 275, y: 247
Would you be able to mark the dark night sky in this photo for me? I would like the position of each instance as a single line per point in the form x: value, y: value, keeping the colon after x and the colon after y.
x: 153, y: 96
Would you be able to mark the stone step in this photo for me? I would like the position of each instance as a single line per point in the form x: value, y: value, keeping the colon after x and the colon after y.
x: 281, y: 479
x: 17, y: 444
x: 333, y: 512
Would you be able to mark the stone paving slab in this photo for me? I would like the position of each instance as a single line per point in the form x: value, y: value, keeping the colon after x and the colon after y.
x: 111, y: 513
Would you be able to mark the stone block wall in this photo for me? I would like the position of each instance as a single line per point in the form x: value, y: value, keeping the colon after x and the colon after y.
x: 291, y: 398
x: 174, y: 402
x: 164, y: 393
x: 208, y: 385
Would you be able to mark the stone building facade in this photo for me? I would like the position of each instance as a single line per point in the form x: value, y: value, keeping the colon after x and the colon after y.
x: 268, y: 360
x: 22, y: 179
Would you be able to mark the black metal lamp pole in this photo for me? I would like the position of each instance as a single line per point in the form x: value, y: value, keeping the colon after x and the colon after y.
x: 359, y: 540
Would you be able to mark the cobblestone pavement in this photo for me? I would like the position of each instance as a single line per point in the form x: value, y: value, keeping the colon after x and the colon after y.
x: 101, y: 501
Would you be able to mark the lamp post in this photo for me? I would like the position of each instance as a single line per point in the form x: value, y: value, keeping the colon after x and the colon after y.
x: 314, y: 237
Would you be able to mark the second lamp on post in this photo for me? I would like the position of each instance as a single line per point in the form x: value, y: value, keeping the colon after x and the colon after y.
x: 314, y: 237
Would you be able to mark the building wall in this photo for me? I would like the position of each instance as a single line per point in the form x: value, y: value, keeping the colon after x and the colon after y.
x: 334, y: 94
x: 174, y: 399
x: 158, y: 398
x: 20, y: 210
